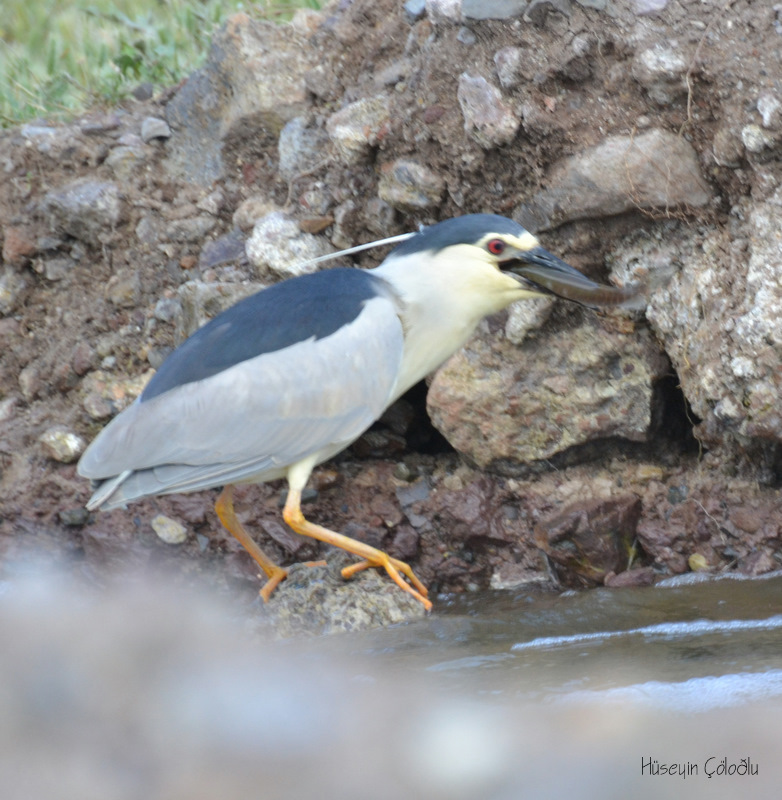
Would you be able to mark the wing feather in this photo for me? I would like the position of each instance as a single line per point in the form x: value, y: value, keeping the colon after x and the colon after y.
x: 260, y: 415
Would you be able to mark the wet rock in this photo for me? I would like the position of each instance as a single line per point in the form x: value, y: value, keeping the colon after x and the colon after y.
x: 253, y: 80
x: 86, y: 209
x: 300, y: 148
x: 502, y: 405
x: 661, y: 70
x: 642, y: 576
x: 512, y: 577
x: 487, y: 118
x: 154, y: 128
x: 277, y: 245
x: 202, y: 301
x: 358, y: 127
x: 168, y: 530
x: 588, y: 541
x: 621, y: 174
x: 19, y: 245
x: 317, y: 600
x: 408, y: 186
x: 493, y: 9
x: 61, y: 444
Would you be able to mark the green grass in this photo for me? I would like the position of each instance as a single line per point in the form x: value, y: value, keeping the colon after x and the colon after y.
x: 58, y: 57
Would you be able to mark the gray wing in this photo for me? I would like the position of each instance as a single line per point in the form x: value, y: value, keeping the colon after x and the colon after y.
x: 254, y: 418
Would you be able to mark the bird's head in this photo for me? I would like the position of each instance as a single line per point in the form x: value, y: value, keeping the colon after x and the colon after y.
x: 475, y: 241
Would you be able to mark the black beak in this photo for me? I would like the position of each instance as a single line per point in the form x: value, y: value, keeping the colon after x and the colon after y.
x: 546, y: 273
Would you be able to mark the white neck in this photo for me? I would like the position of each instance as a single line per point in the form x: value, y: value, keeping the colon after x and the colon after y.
x: 442, y: 303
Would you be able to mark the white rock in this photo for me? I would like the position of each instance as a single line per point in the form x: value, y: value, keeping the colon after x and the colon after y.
x: 169, y: 530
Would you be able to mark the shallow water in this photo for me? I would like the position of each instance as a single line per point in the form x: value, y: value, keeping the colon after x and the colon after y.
x: 684, y: 645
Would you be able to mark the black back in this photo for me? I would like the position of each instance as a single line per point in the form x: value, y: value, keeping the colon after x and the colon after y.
x: 292, y: 311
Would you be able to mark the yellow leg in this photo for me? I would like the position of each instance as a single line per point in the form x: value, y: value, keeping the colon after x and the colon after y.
x: 371, y: 555
x: 225, y: 510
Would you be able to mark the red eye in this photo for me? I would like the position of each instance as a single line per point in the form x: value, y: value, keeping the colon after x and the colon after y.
x: 496, y: 247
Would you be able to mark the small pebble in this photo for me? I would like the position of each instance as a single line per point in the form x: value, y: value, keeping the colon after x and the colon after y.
x: 169, y: 530
x: 62, y: 445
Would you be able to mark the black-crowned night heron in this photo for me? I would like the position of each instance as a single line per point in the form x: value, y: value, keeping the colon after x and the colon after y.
x: 289, y: 377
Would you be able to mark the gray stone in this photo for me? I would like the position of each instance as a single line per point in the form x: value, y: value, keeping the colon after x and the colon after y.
x: 465, y: 36
x: 770, y: 110
x: 251, y: 210
x: 415, y: 9
x: 168, y: 530
x: 125, y: 159
x: 502, y: 405
x: 655, y: 169
x: 358, y: 127
x: 493, y: 9
x: 154, y: 128
x: 649, y: 6
x: 124, y: 289
x: 444, y: 10
x: 727, y: 147
x: 250, y: 86
x: 487, y: 118
x: 300, y: 148
x: 409, y: 186
x: 191, y: 229
x: 55, y: 269
x: 12, y: 287
x: 201, y: 302
x: 277, y: 245
x: 316, y: 600
x: 509, y: 65
x: 61, y: 444
x: 755, y: 139
x: 223, y: 250
x: 86, y: 209
x: 661, y: 71
x: 718, y: 318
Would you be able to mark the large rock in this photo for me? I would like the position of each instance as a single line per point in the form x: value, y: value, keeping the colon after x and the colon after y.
x: 721, y: 327
x: 251, y: 85
x: 653, y: 170
x: 86, y: 209
x: 501, y: 405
